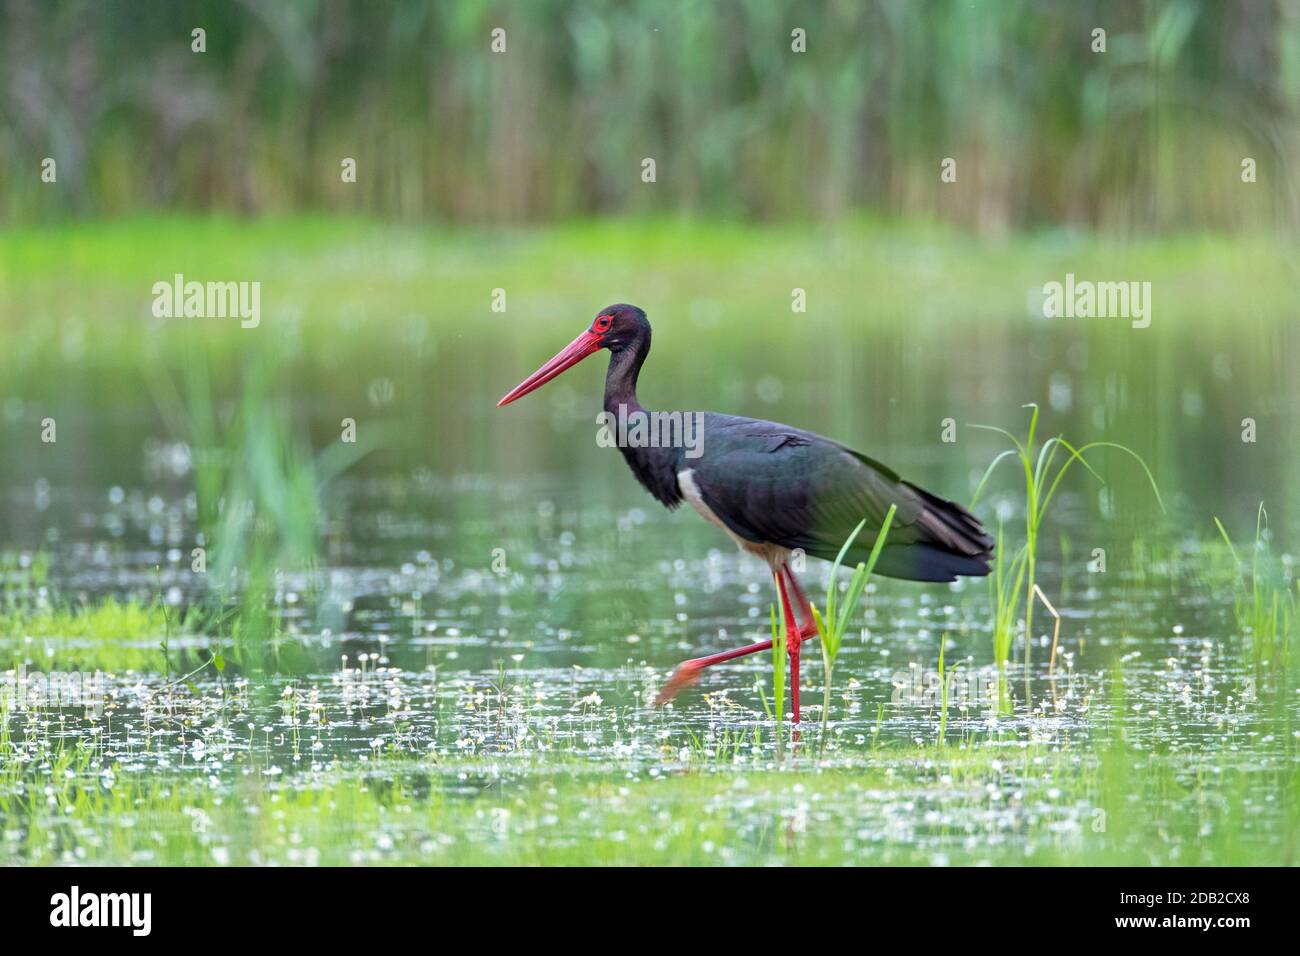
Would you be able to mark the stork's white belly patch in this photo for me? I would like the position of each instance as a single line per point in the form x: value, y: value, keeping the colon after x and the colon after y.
x: 773, y: 554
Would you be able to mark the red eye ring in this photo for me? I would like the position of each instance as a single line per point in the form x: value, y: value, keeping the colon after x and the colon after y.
x: 602, y: 322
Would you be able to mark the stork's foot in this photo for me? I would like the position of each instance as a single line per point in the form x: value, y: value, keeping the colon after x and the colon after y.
x: 684, y: 676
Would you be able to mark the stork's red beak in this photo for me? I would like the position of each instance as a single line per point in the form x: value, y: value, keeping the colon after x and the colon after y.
x: 569, y: 356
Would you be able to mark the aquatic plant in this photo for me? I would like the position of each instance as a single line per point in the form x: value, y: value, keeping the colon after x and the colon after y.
x: 257, y: 487
x: 1265, y: 602
x: 777, y: 711
x: 1014, y: 583
x: 724, y: 745
x: 831, y: 628
x: 1007, y: 579
x: 108, y: 634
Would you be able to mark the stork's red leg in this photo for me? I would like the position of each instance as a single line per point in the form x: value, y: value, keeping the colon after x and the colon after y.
x: 809, y: 628
x: 688, y: 672
x: 794, y: 642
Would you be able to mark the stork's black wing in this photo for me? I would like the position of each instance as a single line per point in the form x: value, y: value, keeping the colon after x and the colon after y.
x: 773, y: 483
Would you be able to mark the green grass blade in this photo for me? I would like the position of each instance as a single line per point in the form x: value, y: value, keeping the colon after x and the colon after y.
x: 1136, y: 457
x: 835, y: 569
x: 863, y: 572
x: 988, y: 472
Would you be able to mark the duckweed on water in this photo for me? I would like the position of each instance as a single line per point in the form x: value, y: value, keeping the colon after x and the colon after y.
x: 1167, y: 762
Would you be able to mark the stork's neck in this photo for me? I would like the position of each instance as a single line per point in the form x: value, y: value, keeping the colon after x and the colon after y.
x: 620, y: 380
x: 655, y: 467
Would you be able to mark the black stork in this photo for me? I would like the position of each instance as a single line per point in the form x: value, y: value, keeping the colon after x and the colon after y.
x: 774, y: 489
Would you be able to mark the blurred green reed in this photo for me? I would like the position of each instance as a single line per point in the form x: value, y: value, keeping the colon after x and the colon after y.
x: 257, y: 487
x: 1148, y: 135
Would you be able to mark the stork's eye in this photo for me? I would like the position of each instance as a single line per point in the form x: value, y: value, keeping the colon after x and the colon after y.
x: 603, y: 323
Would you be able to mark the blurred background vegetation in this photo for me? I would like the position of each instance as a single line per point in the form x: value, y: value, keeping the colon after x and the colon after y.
x: 1148, y: 136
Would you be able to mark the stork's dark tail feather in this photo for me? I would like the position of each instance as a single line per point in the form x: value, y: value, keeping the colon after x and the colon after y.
x: 953, y: 544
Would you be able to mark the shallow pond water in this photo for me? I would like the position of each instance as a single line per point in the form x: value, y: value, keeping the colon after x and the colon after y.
x: 457, y: 659
x: 431, y: 674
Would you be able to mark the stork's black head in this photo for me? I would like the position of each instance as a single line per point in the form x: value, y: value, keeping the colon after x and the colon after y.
x: 620, y: 326
x: 617, y: 328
